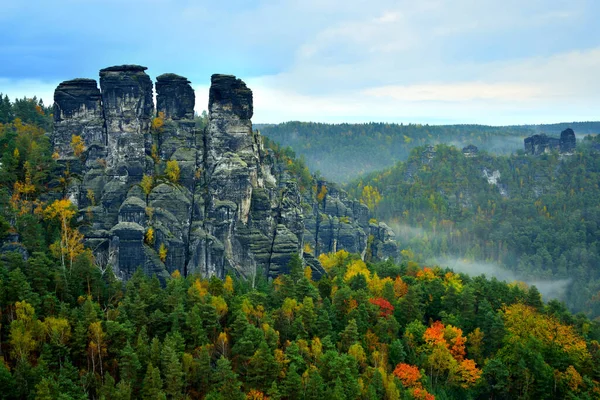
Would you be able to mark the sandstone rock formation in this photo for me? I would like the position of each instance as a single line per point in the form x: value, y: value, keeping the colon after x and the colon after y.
x: 78, y: 111
x: 233, y: 210
x: 567, y: 141
x: 539, y: 144
x: 128, y: 112
x: 470, y: 151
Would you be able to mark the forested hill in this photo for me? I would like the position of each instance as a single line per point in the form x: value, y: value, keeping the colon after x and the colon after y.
x: 342, y: 152
x: 534, y: 218
x: 70, y: 329
x: 581, y: 128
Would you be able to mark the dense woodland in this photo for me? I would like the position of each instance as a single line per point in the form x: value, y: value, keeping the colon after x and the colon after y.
x: 374, y: 330
x: 541, y: 220
x: 342, y: 152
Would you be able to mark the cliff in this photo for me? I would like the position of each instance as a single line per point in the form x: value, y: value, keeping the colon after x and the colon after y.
x: 233, y: 208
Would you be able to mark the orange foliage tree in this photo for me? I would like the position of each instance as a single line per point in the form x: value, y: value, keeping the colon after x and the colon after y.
x: 445, y: 345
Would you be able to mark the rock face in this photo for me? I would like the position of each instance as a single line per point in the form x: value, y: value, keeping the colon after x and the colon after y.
x: 128, y: 113
x: 175, y: 97
x: 78, y: 111
x: 567, y: 141
x: 233, y: 210
x: 540, y: 144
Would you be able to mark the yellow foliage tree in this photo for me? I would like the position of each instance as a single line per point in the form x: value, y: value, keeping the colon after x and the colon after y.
x: 370, y: 197
x: 198, y: 290
x: 308, y: 272
x: 147, y: 184
x: 358, y: 353
x: 149, y: 236
x: 322, y: 193
x: 70, y: 244
x: 96, y: 346
x: 221, y: 344
x: 220, y: 306
x: 330, y: 260
x: 21, y: 200
x: 58, y: 330
x: 154, y: 154
x: 355, y: 268
x: 228, y: 285
x: 523, y: 322
x: 158, y: 123
x: 24, y: 331
x: 162, y: 252
x: 78, y: 145
x: 172, y: 171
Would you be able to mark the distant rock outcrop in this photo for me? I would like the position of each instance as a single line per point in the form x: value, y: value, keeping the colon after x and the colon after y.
x: 567, y: 141
x: 539, y: 144
x: 470, y: 151
x: 233, y: 209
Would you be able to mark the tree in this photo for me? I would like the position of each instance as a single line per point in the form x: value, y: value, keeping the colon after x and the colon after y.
x: 77, y: 145
x: 149, y: 237
x: 173, y: 373
x: 162, y: 252
x: 409, y: 375
x: 158, y: 123
x: 534, y: 298
x: 262, y: 368
x: 226, y: 381
x: 129, y: 364
x: 96, y: 346
x: 24, y: 331
x: 172, y: 171
x: 152, y: 386
x: 58, y: 332
x: 370, y: 197
x: 147, y: 184
x: 70, y: 244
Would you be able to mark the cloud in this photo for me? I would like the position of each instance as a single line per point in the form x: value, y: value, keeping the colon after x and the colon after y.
x: 462, y: 91
x: 550, y: 289
x: 478, y: 61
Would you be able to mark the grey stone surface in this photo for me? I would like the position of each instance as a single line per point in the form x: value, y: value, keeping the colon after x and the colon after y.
x: 128, y: 112
x: 78, y: 111
x: 175, y: 96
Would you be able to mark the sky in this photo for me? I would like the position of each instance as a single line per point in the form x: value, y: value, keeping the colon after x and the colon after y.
x: 428, y: 61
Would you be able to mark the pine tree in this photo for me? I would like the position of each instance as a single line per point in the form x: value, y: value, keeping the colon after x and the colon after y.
x: 324, y: 327
x: 226, y: 381
x: 173, y: 375
x: 292, y: 385
x: 315, y: 388
x: 350, y: 335
x: 129, y: 364
x: 534, y: 298
x: 262, y: 368
x: 152, y: 388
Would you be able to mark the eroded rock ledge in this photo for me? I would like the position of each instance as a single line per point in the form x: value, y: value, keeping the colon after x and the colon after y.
x: 234, y: 208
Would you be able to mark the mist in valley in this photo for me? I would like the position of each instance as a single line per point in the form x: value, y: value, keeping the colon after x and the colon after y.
x: 408, y: 236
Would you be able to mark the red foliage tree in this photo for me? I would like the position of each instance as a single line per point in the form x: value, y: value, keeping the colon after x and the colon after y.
x: 385, y: 307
